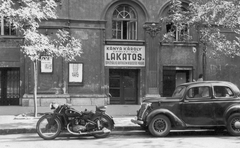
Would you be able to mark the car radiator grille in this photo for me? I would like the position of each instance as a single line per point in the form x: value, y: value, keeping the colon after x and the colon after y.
x: 142, y: 110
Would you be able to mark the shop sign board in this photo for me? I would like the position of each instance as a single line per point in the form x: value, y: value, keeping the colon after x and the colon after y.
x: 128, y: 56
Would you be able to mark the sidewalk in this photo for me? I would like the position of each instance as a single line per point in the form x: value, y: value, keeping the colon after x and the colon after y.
x: 10, y: 124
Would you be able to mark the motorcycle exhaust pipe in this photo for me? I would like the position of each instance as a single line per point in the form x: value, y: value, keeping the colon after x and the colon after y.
x: 104, y: 130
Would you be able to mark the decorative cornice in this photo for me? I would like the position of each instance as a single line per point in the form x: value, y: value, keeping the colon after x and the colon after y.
x: 152, y: 29
x: 124, y: 42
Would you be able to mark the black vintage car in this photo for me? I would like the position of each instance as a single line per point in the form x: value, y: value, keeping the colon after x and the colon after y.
x: 201, y: 105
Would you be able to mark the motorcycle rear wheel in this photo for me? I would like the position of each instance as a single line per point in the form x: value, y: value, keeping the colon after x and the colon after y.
x: 48, y: 127
x: 105, y: 122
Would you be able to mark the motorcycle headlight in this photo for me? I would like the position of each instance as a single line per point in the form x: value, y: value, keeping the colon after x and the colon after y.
x: 53, y: 105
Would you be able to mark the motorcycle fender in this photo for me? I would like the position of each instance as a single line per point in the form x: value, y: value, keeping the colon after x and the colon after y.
x: 55, y: 116
x: 49, y: 113
x: 109, y: 117
x: 172, y: 117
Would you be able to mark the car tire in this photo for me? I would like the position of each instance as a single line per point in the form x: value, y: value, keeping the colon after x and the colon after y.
x: 160, y: 126
x: 233, y: 124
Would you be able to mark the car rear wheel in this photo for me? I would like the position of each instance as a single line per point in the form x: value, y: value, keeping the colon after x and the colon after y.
x: 233, y: 124
x: 160, y: 126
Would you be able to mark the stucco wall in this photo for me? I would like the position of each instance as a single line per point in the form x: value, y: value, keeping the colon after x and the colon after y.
x: 10, y: 51
x: 178, y: 55
x: 92, y: 60
x: 90, y: 21
x: 224, y: 68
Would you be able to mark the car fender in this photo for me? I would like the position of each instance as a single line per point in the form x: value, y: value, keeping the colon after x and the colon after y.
x: 173, y: 118
x: 232, y: 109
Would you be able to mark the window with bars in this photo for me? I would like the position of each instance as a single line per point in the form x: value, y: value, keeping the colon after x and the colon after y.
x: 124, y: 23
x: 6, y: 27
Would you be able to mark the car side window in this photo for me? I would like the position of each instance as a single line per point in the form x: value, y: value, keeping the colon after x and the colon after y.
x: 179, y: 91
x: 222, y: 91
x: 198, y: 92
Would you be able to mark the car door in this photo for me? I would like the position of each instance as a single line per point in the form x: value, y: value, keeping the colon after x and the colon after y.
x: 223, y: 99
x: 197, y: 107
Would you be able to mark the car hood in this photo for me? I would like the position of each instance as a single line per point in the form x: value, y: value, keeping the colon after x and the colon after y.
x: 162, y: 99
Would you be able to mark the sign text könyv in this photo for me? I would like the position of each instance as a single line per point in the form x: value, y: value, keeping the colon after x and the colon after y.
x: 116, y: 55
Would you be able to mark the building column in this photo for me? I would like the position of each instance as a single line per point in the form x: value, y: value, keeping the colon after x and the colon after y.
x: 152, y: 59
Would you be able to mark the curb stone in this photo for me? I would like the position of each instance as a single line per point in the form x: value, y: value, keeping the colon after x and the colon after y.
x: 33, y: 130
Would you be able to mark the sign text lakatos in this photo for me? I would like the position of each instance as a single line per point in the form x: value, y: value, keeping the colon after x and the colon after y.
x: 124, y: 55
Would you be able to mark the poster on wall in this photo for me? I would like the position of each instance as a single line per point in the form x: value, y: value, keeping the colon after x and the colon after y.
x: 129, y: 56
x: 46, y: 64
x: 76, y: 73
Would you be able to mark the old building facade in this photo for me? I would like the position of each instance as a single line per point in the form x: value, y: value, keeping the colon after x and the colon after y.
x: 123, y: 54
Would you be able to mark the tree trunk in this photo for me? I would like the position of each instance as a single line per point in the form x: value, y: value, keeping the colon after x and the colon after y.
x: 35, y: 63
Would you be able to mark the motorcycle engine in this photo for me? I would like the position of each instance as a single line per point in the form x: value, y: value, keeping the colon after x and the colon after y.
x: 77, y: 128
x: 82, y: 124
x: 79, y: 125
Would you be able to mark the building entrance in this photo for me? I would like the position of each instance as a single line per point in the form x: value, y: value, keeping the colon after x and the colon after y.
x: 123, y: 86
x: 173, y: 76
x: 9, y: 86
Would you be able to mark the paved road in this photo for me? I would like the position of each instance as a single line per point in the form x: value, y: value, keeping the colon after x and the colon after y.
x: 136, y: 139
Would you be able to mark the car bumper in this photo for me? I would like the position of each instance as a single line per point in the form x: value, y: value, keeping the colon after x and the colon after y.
x: 135, y: 121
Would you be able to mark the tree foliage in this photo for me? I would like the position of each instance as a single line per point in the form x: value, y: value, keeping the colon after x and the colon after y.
x: 26, y: 16
x: 210, y: 17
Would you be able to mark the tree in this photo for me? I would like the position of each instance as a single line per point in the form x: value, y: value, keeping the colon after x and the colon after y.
x: 26, y: 16
x: 209, y: 17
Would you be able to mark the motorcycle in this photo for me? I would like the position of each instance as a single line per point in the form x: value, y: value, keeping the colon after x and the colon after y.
x: 65, y: 118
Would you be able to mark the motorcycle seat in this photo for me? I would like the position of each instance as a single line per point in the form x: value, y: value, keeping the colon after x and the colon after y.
x: 101, y: 108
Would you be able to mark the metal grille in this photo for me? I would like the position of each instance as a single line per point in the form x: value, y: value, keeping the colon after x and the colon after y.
x: 142, y: 110
x: 9, y: 86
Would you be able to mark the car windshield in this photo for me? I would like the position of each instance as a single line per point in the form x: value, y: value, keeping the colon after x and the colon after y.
x: 179, y: 91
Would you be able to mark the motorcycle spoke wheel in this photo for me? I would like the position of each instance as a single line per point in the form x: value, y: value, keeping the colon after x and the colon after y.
x: 48, y: 127
x: 104, y: 123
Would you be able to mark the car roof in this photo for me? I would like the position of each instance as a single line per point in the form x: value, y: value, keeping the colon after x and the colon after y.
x: 225, y: 83
x: 207, y: 82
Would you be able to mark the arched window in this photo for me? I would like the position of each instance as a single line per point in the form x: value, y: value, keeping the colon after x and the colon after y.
x: 178, y: 34
x: 124, y: 23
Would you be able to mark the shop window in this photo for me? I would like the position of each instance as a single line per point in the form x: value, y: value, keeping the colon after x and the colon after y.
x: 6, y: 27
x: 124, y: 23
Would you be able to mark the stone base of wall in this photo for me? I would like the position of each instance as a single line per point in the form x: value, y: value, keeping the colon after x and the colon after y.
x: 76, y: 100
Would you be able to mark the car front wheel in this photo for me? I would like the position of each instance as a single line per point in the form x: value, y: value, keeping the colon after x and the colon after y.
x: 160, y: 126
x: 233, y: 124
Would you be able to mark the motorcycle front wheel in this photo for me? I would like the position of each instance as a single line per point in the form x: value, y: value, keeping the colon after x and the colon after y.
x: 48, y: 127
x: 105, y: 123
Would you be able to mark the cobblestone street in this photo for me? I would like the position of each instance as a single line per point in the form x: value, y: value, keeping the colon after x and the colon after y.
x: 125, y: 139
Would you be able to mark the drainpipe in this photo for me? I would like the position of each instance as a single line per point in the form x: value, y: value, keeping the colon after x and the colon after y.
x: 204, y: 61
